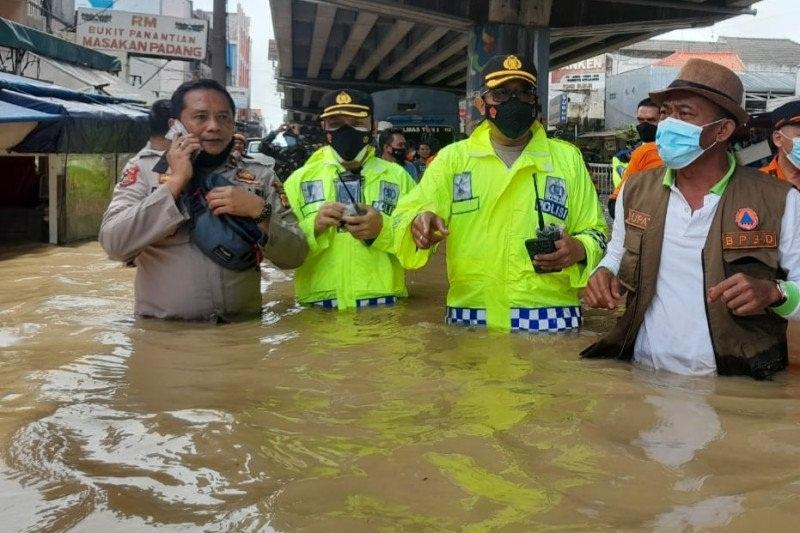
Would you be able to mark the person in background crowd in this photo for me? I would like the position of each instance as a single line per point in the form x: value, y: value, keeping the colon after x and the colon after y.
x: 707, y: 250
x: 158, y: 120
x: 425, y: 156
x: 392, y: 146
x: 786, y: 137
x: 292, y: 155
x: 490, y: 196
x: 343, y: 197
x: 182, y: 273
x: 645, y: 156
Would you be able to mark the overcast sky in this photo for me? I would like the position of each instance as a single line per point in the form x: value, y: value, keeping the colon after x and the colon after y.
x: 775, y: 19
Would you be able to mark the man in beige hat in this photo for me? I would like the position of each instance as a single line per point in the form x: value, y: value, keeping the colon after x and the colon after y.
x: 708, y: 251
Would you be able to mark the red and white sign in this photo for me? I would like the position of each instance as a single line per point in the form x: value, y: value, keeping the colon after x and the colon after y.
x: 142, y: 34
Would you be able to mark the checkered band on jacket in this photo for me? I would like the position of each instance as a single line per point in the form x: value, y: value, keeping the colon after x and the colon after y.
x: 546, y: 319
x: 364, y: 302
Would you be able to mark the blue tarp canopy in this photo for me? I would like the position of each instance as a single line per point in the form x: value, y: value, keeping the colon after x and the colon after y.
x: 84, y: 123
x: 14, y: 113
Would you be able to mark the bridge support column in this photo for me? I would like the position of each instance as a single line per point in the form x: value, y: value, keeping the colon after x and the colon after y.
x: 514, y: 27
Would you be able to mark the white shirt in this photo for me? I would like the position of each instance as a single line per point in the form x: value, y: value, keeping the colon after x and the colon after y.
x: 674, y: 335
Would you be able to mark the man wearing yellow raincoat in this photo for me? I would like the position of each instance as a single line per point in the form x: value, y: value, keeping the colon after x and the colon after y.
x: 489, y: 194
x: 343, y: 197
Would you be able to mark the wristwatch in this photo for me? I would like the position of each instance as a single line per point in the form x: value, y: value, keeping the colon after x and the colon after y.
x: 784, y: 294
x: 266, y: 212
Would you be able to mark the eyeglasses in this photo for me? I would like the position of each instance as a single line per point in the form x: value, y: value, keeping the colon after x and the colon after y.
x: 504, y: 94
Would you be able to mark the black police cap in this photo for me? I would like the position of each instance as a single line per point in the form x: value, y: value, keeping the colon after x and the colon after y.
x: 788, y: 113
x: 346, y: 102
x: 503, y: 68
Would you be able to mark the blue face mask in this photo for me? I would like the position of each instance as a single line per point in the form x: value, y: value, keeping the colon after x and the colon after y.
x: 678, y: 142
x: 794, y: 155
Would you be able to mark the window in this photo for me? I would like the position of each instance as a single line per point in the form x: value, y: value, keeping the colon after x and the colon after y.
x: 34, y: 8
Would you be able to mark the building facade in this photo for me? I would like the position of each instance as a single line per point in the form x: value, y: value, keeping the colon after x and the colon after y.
x: 768, y: 69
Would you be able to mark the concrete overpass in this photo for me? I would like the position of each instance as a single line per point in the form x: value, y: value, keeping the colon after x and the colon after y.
x: 386, y: 44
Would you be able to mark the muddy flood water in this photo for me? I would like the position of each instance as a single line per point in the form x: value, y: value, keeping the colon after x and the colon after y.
x: 378, y: 420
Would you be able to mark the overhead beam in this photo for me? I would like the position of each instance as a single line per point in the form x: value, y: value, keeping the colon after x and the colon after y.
x: 369, y: 86
x: 404, y: 12
x: 409, y: 55
x: 703, y: 8
x: 574, y: 47
x: 458, y: 44
x: 642, y: 26
x: 399, y: 30
x: 461, y: 80
x: 323, y: 22
x: 282, y: 10
x: 358, y: 33
x: 611, y: 45
x: 446, y: 72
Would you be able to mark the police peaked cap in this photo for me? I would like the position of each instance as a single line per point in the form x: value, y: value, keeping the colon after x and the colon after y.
x: 503, y: 68
x: 346, y: 102
x: 786, y: 114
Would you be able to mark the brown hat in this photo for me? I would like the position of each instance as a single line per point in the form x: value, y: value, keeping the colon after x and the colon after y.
x: 712, y: 81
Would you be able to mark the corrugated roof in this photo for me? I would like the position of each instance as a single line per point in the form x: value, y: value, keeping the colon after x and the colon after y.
x: 726, y: 59
x: 752, y: 51
x: 762, y: 82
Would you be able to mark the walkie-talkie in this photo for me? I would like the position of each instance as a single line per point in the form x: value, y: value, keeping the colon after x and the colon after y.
x: 347, y: 180
x: 546, y: 235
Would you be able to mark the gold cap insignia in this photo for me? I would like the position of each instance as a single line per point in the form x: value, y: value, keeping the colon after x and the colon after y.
x: 512, y: 63
x: 343, y: 98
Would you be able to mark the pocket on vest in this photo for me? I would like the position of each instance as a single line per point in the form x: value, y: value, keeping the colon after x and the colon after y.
x: 761, y: 264
x: 628, y: 273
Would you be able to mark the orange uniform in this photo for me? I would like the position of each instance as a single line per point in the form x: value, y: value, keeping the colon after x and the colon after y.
x: 644, y: 157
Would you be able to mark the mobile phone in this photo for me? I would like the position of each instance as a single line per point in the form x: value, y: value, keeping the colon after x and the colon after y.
x: 176, y: 129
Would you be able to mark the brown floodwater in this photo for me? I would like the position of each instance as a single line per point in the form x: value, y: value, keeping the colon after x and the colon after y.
x: 377, y: 420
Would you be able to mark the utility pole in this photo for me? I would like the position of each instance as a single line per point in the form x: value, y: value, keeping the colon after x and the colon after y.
x: 219, y: 30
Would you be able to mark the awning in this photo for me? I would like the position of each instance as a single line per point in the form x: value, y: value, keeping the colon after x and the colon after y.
x: 17, y: 122
x: 13, y: 35
x: 14, y: 113
x: 84, y: 123
x: 83, y: 127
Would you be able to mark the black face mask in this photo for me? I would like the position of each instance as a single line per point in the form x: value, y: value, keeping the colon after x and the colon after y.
x: 399, y: 155
x: 204, y: 160
x: 512, y: 118
x: 348, y: 141
x: 647, y: 132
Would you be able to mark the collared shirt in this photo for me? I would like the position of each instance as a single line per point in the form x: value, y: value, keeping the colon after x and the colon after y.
x: 674, y: 335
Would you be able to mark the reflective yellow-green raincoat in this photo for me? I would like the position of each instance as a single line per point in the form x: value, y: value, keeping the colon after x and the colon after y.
x: 340, y: 267
x: 490, y: 211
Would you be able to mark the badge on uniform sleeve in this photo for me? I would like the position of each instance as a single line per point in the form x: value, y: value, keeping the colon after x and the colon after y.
x: 312, y: 191
x: 747, y: 218
x: 389, y: 195
x: 462, y: 187
x: 245, y: 176
x: 129, y: 176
